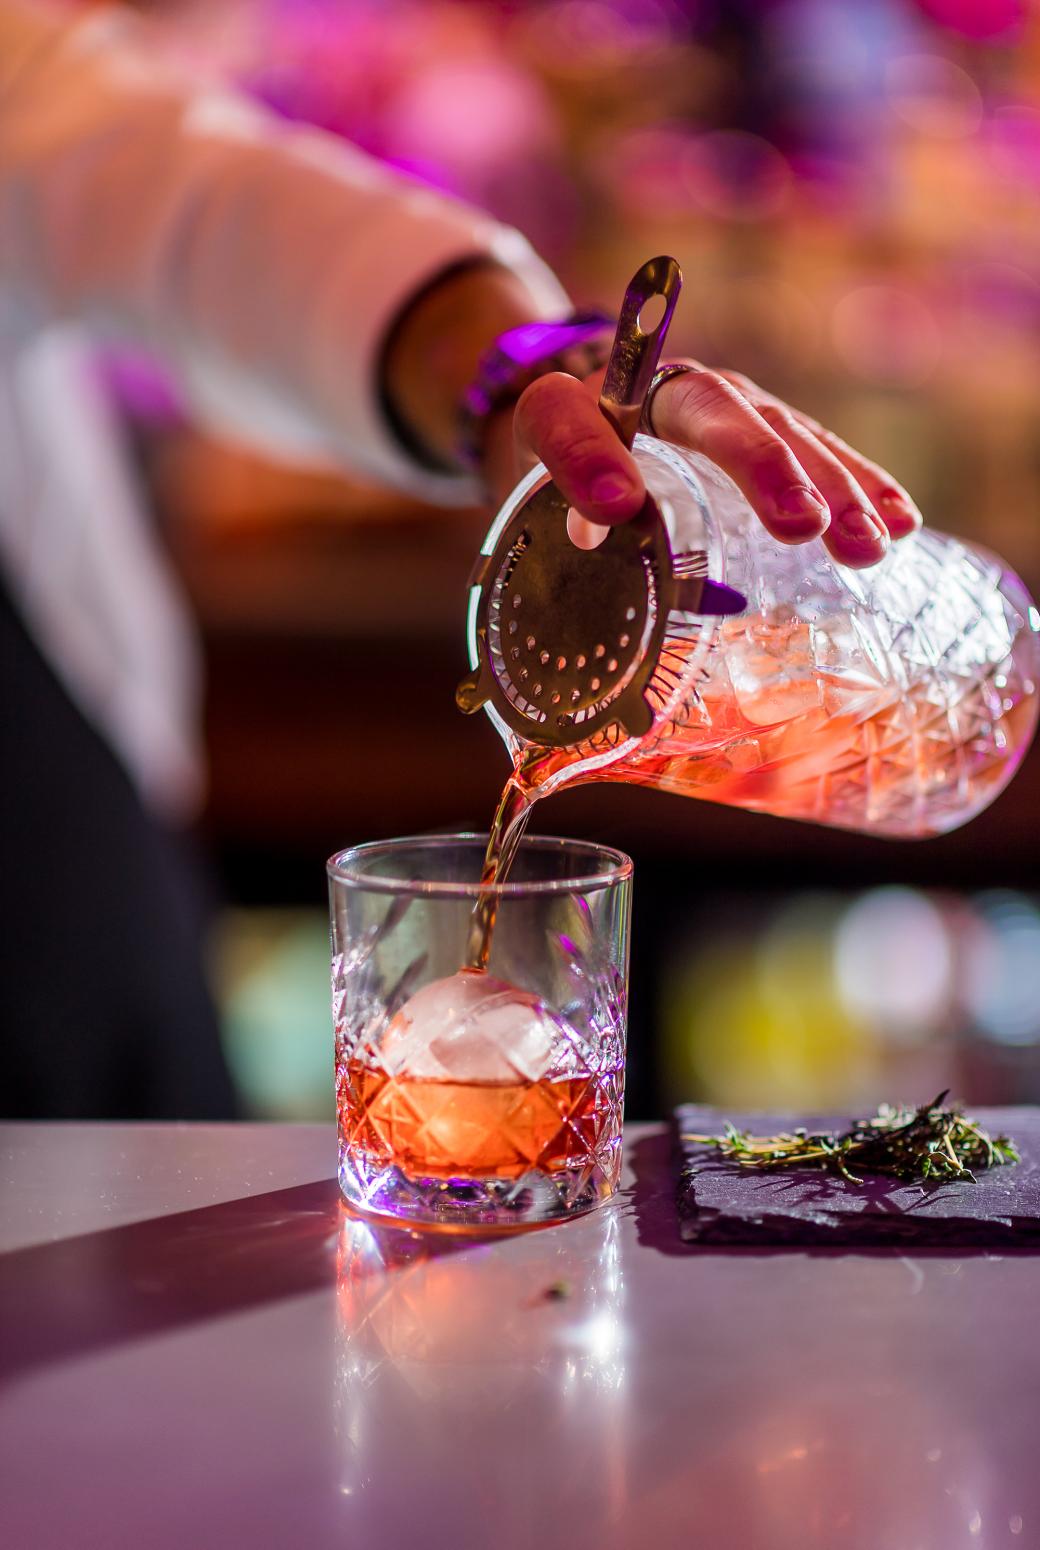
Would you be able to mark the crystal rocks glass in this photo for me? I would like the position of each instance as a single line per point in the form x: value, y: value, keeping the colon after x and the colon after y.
x: 475, y: 1101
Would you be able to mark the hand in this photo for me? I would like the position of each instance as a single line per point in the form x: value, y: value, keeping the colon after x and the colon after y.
x: 802, y: 480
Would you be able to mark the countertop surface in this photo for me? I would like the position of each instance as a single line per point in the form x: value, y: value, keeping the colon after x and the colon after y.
x: 200, y: 1346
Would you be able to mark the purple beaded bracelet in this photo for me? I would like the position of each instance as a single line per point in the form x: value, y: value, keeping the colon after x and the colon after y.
x: 578, y: 345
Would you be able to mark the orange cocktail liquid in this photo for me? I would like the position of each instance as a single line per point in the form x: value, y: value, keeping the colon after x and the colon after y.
x: 830, y: 748
x: 436, y: 1129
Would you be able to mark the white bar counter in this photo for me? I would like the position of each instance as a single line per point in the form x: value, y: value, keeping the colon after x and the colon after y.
x: 202, y: 1348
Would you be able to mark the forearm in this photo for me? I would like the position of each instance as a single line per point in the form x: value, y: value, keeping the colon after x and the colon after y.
x: 268, y: 264
x: 435, y: 348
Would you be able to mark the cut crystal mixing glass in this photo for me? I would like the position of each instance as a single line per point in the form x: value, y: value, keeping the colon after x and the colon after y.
x: 897, y: 700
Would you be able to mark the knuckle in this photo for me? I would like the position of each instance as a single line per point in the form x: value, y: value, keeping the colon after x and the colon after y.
x: 770, y: 455
x: 830, y: 439
x: 779, y: 418
x: 743, y: 384
x: 775, y: 455
x: 698, y: 390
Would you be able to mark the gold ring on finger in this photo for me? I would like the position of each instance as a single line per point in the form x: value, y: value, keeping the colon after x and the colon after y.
x: 661, y: 375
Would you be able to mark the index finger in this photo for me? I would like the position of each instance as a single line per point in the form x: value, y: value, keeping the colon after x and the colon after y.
x: 558, y: 421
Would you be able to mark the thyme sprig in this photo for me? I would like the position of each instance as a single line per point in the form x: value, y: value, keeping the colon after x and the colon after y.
x: 932, y: 1142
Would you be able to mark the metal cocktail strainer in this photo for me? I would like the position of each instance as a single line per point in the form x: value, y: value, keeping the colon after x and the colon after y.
x: 569, y: 640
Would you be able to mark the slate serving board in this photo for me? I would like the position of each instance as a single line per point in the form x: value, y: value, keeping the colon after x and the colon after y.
x: 721, y: 1202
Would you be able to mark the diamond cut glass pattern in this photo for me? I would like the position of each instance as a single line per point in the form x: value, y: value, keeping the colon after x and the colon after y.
x: 473, y: 1100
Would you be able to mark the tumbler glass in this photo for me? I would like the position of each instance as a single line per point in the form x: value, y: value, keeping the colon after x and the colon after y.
x: 471, y: 1100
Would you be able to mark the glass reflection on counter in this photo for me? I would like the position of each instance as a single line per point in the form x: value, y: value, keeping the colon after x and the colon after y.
x: 446, y: 1333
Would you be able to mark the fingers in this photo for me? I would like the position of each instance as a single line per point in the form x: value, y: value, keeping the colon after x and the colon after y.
x: 895, y: 507
x: 857, y: 534
x: 803, y: 481
x: 885, y: 497
x: 558, y: 421
x: 699, y: 409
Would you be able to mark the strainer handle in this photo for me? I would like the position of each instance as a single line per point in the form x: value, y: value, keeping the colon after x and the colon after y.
x: 635, y: 353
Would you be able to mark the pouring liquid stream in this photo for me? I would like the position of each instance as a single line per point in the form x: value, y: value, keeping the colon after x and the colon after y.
x: 507, y: 830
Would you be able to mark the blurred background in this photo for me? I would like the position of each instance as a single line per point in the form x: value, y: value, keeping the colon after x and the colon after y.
x: 853, y: 191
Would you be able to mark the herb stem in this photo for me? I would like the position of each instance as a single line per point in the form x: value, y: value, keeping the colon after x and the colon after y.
x: 932, y: 1142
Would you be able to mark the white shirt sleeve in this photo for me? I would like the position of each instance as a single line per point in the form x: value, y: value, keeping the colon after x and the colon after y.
x: 264, y: 262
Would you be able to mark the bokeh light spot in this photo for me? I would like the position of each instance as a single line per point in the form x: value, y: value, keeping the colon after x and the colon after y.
x: 933, y: 95
x: 893, y: 964
x: 887, y: 334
